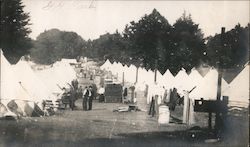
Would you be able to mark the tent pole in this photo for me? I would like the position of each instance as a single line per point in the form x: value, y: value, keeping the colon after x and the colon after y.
x: 122, y: 78
x: 155, y: 78
x: 136, y: 76
x: 185, y: 108
x: 217, y: 116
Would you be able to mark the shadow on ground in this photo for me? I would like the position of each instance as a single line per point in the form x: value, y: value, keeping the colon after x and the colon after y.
x: 17, y: 135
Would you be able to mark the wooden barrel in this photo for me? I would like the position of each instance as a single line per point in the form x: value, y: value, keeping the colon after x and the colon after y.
x: 164, y: 114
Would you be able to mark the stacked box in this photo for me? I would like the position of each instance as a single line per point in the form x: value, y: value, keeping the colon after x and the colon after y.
x: 113, y: 93
x: 141, y: 100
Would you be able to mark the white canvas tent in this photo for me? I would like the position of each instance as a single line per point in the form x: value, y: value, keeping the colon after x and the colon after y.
x: 115, y: 68
x: 120, y: 71
x: 29, y: 80
x: 142, y: 75
x: 181, y: 81
x: 57, y: 77
x: 238, y: 90
x: 106, y: 65
x: 48, y: 77
x: 207, y: 87
x: 68, y: 61
x: 12, y: 90
x: 130, y: 74
x: 150, y: 77
x: 62, y: 73
x: 194, y: 79
x: 69, y: 73
x: 224, y: 88
x: 160, y: 78
x: 155, y: 89
x: 168, y: 79
x: 10, y: 87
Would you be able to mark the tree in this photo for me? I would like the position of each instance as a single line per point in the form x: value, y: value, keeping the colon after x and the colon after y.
x: 188, y: 45
x: 149, y: 39
x: 158, y: 44
x: 232, y: 51
x: 53, y: 45
x: 14, y: 30
x: 112, y: 46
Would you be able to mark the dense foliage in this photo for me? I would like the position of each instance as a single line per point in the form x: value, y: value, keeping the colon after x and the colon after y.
x: 149, y: 39
x: 150, y: 42
x: 231, y: 50
x: 53, y: 45
x: 14, y: 30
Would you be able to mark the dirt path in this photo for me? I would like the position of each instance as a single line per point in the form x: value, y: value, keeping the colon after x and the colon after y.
x: 99, y: 127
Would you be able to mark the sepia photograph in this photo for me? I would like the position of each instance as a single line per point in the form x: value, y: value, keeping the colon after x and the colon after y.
x: 124, y: 73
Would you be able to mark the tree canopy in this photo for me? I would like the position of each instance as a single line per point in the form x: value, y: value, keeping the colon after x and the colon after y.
x: 230, y: 50
x: 149, y: 39
x: 52, y: 45
x: 162, y: 46
x: 188, y: 44
x: 14, y: 30
x: 150, y: 42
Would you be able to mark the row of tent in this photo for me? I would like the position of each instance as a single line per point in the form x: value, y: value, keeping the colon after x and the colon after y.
x: 57, y: 77
x: 20, y: 82
x: 204, y: 87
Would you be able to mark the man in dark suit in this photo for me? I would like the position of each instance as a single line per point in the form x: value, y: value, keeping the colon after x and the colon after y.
x: 91, y: 96
x: 85, y: 98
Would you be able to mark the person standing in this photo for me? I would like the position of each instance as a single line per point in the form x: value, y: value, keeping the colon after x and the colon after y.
x: 79, y: 93
x: 94, y: 88
x: 85, y: 98
x: 74, y: 84
x: 72, y: 98
x: 101, y: 94
x: 132, y: 88
x: 91, y: 96
x: 125, y: 94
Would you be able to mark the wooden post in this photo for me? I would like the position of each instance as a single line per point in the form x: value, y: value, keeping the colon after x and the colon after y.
x: 218, y: 97
x: 217, y: 116
x: 219, y: 85
x: 122, y: 78
x: 191, y: 112
x: 155, y: 78
x: 219, y: 67
x: 156, y: 105
x: 210, y: 121
x: 185, y: 108
x: 136, y: 78
x: 224, y: 113
x: 155, y: 75
x: 152, y: 107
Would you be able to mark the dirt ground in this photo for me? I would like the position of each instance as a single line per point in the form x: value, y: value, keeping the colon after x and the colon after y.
x: 103, y: 127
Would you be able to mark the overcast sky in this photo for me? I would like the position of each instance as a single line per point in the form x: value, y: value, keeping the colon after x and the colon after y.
x: 93, y: 18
